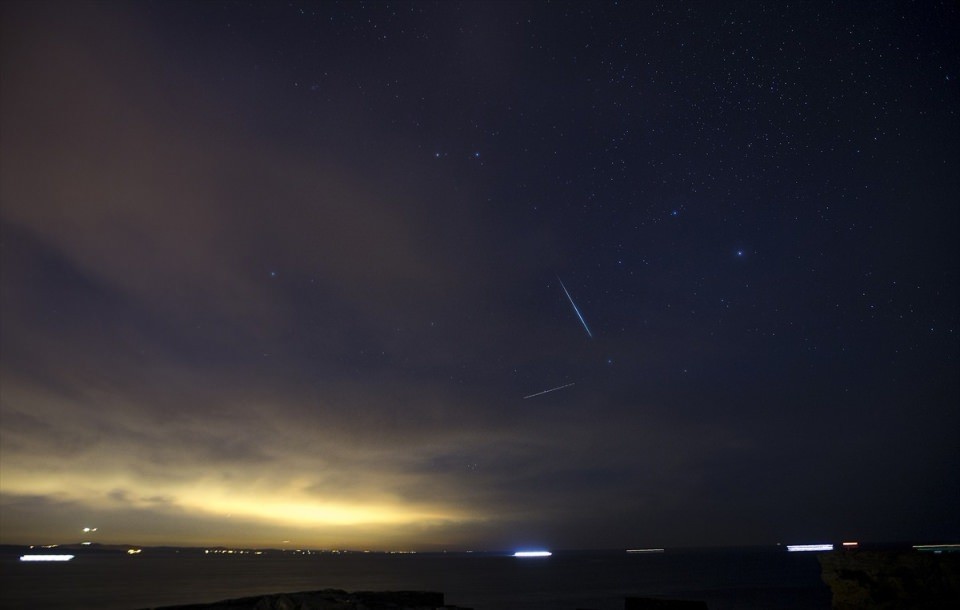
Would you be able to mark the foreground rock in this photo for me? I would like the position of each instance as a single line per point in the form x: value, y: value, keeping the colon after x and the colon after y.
x: 654, y: 603
x: 893, y: 580
x: 331, y: 599
x: 335, y: 599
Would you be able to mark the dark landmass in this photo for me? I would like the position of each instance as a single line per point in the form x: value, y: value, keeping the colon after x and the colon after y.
x: 892, y: 580
x: 96, y: 547
x: 220, y: 549
x: 331, y: 599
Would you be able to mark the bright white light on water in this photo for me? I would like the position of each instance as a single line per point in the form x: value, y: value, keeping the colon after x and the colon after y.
x: 809, y: 547
x: 532, y: 554
x: 644, y: 550
x: 46, y: 557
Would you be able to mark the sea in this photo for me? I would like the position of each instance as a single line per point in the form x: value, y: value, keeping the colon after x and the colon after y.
x: 754, y: 578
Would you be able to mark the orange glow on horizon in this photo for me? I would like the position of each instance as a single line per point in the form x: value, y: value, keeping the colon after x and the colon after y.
x: 249, y: 513
x: 306, y: 513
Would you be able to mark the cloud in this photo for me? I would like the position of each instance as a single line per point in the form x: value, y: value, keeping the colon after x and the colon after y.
x: 228, y: 335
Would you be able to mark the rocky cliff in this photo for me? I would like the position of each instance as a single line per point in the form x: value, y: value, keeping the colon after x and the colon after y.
x: 892, y: 580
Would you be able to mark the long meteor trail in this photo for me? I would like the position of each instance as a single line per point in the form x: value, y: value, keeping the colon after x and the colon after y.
x: 579, y: 315
x: 559, y: 387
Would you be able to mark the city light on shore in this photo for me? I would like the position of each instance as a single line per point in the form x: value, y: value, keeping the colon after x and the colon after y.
x: 532, y: 554
x: 793, y: 548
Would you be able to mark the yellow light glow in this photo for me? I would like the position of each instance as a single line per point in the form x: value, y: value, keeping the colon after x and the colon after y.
x: 282, y: 503
x: 251, y: 510
x: 311, y: 513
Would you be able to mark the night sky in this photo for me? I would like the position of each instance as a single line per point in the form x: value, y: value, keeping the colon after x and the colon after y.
x: 297, y: 271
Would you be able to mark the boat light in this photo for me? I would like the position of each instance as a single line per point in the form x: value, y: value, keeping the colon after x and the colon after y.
x: 46, y: 557
x: 532, y: 554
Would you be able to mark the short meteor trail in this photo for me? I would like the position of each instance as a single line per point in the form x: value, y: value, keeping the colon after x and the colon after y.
x: 559, y: 387
x: 579, y: 315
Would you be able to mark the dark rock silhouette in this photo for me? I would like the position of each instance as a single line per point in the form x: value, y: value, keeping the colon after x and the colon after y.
x: 653, y: 603
x: 331, y: 599
x: 892, y: 580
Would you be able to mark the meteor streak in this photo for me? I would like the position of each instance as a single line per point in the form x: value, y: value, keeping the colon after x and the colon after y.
x: 559, y: 387
x: 579, y: 315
